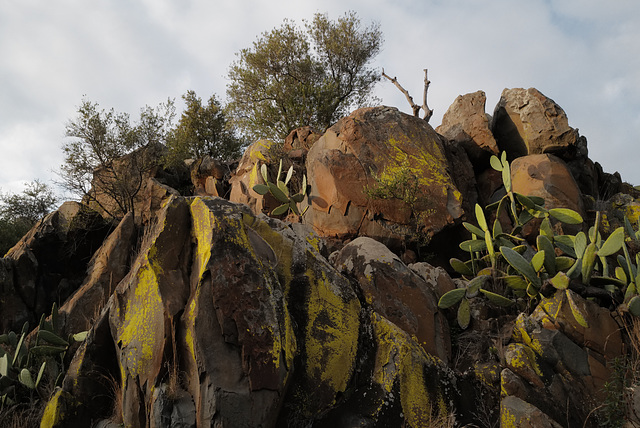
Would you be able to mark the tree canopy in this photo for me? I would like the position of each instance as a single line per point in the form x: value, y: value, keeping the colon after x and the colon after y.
x: 97, y: 139
x: 19, y: 212
x: 295, y: 77
x: 202, y: 130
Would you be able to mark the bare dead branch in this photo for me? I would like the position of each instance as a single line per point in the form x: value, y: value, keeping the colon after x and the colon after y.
x: 427, y: 111
x: 415, y: 107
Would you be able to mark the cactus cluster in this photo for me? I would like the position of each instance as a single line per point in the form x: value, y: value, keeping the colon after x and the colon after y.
x: 496, y: 255
x: 281, y: 192
x: 23, y: 366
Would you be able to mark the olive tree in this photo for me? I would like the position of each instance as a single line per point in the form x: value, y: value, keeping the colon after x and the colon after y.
x: 19, y: 212
x: 97, y: 140
x: 202, y: 130
x: 295, y: 76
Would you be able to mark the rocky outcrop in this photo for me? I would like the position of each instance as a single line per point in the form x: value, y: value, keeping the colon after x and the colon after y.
x: 48, y: 264
x: 251, y: 326
x: 555, y: 364
x: 416, y: 191
x: 202, y: 311
x: 465, y: 123
x: 525, y: 122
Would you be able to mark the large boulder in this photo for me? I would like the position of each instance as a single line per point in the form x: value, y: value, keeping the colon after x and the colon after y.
x: 49, y: 263
x: 383, y: 174
x: 397, y: 293
x: 467, y: 124
x: 526, y: 122
x: 548, y: 177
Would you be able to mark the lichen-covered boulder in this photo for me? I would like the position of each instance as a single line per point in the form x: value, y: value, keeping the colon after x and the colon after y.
x: 467, y: 124
x: 555, y: 363
x: 212, y: 323
x: 526, y: 122
x: 517, y: 413
x: 414, y: 192
x: 230, y: 319
x: 397, y: 293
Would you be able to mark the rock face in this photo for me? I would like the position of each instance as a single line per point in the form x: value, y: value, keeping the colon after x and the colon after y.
x: 548, y: 177
x: 238, y: 320
x: 48, y: 264
x: 408, y: 158
x: 554, y: 363
x: 397, y: 293
x: 525, y: 122
x: 466, y: 123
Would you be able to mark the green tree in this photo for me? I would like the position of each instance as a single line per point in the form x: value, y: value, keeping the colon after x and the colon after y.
x: 20, y: 212
x: 202, y: 130
x: 98, y: 138
x: 294, y: 77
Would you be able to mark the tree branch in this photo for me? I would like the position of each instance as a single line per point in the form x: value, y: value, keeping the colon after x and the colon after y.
x: 415, y: 107
x: 427, y: 111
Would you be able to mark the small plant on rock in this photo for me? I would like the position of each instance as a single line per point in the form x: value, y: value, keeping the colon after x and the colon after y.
x: 281, y: 192
x: 403, y: 184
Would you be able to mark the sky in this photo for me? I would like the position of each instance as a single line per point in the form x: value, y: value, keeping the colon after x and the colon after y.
x: 125, y: 54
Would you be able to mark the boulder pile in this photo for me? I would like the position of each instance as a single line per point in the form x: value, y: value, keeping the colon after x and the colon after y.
x: 202, y: 308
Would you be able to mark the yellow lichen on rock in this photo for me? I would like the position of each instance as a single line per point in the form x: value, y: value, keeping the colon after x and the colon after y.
x: 426, y: 165
x: 56, y: 409
x: 140, y: 334
x: 331, y: 333
x: 401, y: 360
x: 282, y: 247
x: 202, y: 231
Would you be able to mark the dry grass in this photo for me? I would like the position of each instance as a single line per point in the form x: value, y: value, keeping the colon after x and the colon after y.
x: 625, y: 376
x: 22, y: 415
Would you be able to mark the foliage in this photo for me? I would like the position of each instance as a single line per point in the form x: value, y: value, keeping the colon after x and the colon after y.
x: 281, y: 192
x: 612, y: 411
x: 497, y: 256
x: 295, y: 77
x: 402, y: 185
x: 202, y: 130
x: 20, y: 212
x: 98, y: 139
x: 23, y: 367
